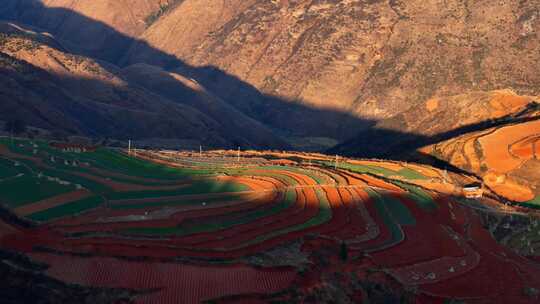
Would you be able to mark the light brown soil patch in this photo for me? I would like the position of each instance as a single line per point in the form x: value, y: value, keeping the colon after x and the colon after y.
x: 506, y: 102
x: 495, y: 146
x: 52, y: 202
x: 445, y: 188
x: 514, y: 191
x: 429, y: 172
x: 508, y: 188
x: 432, y: 104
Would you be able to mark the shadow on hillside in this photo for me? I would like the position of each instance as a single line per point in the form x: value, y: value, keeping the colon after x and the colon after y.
x: 405, y: 143
x: 284, y: 117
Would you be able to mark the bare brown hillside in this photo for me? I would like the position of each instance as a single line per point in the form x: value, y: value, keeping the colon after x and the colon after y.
x: 52, y: 89
x: 374, y: 59
x: 326, y: 71
x: 104, y: 31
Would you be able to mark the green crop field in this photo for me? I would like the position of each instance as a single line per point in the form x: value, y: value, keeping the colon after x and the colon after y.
x: 198, y: 187
x: 68, y: 209
x: 388, y: 216
x: 48, y: 172
x: 175, y: 203
x: 120, y: 163
x: 213, y: 225
x: 419, y: 196
x: 27, y: 189
x: 405, y: 173
x: 308, y: 173
x: 7, y: 170
x: 535, y: 203
x: 395, y: 207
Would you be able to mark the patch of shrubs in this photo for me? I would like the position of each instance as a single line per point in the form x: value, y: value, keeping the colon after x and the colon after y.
x: 15, y: 42
x: 163, y: 9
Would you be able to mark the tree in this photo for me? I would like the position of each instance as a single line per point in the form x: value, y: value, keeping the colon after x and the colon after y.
x: 344, y: 252
x: 15, y: 126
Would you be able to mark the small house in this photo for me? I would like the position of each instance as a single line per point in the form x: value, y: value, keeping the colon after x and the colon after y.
x: 474, y: 190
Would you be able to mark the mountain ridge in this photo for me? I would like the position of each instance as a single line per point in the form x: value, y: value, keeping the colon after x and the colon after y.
x: 102, y: 86
x: 304, y: 70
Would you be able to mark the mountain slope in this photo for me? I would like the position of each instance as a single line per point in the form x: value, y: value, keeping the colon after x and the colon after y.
x: 310, y: 69
x: 239, y: 128
x: 101, y: 29
x: 369, y: 59
x: 55, y: 90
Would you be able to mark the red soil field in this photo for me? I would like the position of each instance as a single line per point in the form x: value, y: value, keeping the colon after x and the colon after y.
x: 426, y: 240
x: 6, y: 229
x: 94, y: 220
x: 233, y: 235
x: 494, y: 145
x: 352, y: 179
x: 192, y: 284
x: 361, y: 214
x: 439, y: 269
x: 526, y: 148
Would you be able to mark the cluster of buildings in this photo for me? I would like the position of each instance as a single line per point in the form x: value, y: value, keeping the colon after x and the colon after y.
x: 72, y: 147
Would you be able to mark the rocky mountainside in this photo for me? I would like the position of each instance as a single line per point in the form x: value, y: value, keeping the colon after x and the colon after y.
x: 53, y: 89
x: 328, y: 71
x: 102, y: 29
x: 369, y: 59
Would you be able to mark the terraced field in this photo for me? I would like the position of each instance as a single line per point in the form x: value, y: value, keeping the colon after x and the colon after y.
x: 506, y: 157
x: 266, y: 227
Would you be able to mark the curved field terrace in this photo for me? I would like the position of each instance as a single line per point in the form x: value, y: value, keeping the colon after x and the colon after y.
x: 180, y: 227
